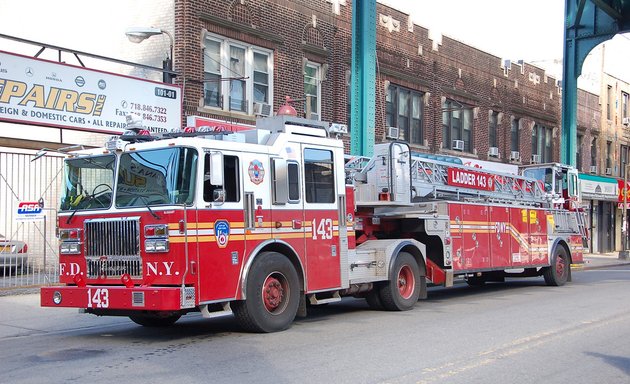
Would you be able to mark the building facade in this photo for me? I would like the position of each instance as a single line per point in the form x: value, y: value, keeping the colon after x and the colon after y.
x: 238, y: 58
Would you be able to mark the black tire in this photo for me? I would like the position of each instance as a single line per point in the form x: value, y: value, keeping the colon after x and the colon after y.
x: 155, y: 320
x: 274, y: 274
x: 373, y: 298
x: 558, y: 273
x: 402, y: 291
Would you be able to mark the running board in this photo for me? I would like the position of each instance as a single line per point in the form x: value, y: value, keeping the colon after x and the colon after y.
x: 313, y: 300
x: 210, y: 311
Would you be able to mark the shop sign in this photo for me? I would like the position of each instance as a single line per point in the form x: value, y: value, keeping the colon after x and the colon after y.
x: 599, y: 188
x: 40, y: 92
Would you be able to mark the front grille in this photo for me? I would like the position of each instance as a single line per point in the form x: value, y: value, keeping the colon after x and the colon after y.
x: 113, y: 266
x: 112, y: 247
x: 112, y: 237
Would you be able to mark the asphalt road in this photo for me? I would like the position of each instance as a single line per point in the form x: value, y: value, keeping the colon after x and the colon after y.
x: 516, y: 332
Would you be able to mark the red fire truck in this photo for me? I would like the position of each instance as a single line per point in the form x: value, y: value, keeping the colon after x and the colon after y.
x: 263, y: 222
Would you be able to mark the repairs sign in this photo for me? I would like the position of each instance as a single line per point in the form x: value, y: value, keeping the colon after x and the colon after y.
x: 40, y: 92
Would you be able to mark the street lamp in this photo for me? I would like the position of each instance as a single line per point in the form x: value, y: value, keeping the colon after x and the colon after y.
x: 139, y: 34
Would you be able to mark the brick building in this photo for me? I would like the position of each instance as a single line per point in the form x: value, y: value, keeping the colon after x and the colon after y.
x: 444, y: 96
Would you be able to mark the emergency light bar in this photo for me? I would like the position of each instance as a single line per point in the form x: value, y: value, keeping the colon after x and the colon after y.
x: 200, y: 131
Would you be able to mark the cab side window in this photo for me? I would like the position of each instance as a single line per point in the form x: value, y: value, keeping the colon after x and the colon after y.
x: 229, y: 191
x: 319, y: 176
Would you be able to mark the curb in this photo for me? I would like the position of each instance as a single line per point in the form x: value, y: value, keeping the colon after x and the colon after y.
x: 586, y: 267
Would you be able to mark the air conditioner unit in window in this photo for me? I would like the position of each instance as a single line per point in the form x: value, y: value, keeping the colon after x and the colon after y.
x: 535, y: 159
x: 392, y: 133
x: 609, y: 171
x: 493, y: 151
x: 593, y: 169
x: 626, y: 121
x: 458, y: 145
x: 515, y: 155
x: 314, y: 116
x: 262, y: 109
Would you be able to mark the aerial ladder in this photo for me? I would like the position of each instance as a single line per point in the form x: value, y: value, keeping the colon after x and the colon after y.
x: 394, y: 177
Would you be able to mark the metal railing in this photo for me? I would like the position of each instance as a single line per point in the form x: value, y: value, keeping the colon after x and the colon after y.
x: 24, y: 181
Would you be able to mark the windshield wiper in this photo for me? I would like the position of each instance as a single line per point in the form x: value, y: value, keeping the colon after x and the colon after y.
x: 72, y: 215
x: 146, y: 204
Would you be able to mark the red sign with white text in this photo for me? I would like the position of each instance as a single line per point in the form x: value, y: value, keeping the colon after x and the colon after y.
x: 470, y: 179
x: 217, y: 125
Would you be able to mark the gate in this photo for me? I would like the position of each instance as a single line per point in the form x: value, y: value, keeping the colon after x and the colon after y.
x: 29, y: 250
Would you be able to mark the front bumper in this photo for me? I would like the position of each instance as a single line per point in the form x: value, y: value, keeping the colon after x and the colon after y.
x: 107, y: 298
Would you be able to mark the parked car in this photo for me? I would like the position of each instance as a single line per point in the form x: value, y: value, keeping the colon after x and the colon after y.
x: 13, y: 255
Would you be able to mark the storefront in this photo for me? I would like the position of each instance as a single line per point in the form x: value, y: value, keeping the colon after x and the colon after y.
x: 625, y: 234
x: 600, y: 195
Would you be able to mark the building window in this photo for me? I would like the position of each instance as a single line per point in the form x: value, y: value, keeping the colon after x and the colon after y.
x: 456, y: 125
x: 609, y: 96
x: 594, y: 152
x: 542, y: 142
x: 623, y: 160
x: 493, y: 126
x: 403, y: 109
x: 212, y: 74
x: 514, y: 140
x: 609, y: 157
x: 624, y: 105
x: 236, y: 75
x: 578, y: 153
x: 261, y: 78
x: 312, y: 90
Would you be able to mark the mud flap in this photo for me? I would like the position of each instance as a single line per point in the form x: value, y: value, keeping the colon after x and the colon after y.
x: 301, y: 312
x: 423, y: 288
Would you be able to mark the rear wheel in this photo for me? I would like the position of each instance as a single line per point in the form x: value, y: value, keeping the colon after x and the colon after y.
x: 155, y: 320
x: 402, y: 291
x: 373, y: 298
x: 558, y: 273
x: 273, y: 295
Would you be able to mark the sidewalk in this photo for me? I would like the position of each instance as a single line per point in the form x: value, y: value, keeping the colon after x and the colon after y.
x: 601, y: 260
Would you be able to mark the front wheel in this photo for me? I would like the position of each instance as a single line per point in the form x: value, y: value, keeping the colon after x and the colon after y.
x: 273, y: 295
x: 558, y: 273
x: 402, y: 291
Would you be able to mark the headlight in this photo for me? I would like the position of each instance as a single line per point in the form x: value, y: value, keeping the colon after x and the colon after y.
x: 156, y: 245
x: 57, y: 297
x: 70, y: 248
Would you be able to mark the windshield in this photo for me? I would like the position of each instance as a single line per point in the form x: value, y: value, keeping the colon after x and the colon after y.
x: 154, y: 177
x: 545, y: 175
x: 88, y: 183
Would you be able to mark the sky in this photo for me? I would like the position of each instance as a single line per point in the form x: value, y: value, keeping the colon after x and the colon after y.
x: 531, y: 30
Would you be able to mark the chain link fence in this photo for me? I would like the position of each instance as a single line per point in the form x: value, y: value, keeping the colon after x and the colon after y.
x: 28, y: 248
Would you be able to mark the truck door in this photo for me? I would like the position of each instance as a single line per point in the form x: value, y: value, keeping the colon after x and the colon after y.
x: 287, y: 212
x: 219, y: 226
x: 322, y: 190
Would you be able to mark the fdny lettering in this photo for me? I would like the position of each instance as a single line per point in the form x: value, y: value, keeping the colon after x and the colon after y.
x: 470, y: 179
x: 69, y: 269
x: 55, y: 99
x: 501, y: 227
x: 161, y: 269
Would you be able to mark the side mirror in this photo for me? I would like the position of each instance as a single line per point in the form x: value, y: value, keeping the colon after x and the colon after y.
x: 218, y: 195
